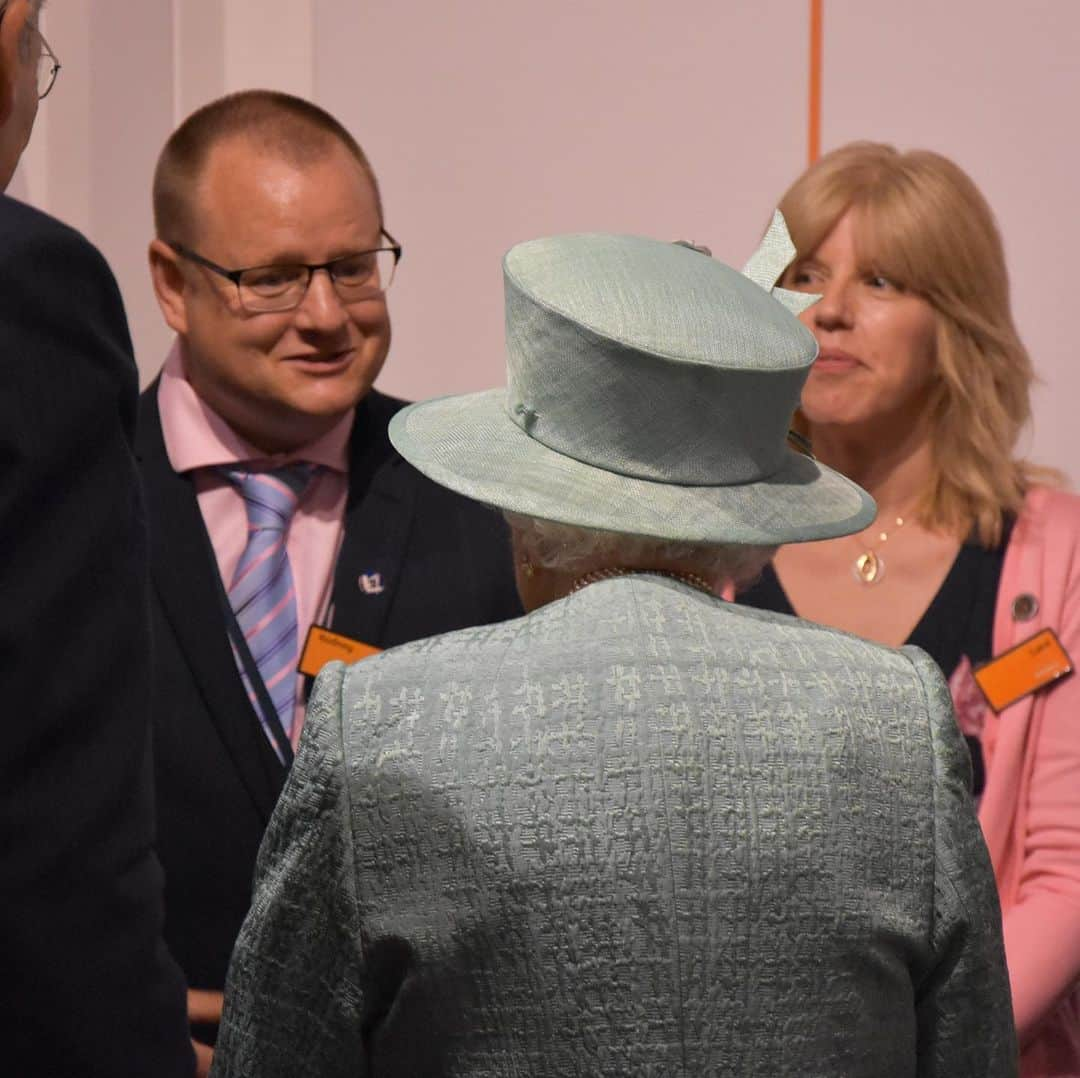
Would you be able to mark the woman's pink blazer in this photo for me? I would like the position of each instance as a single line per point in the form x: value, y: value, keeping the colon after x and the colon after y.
x: 1030, y: 809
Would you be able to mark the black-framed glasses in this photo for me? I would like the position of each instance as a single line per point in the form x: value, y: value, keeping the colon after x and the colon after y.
x: 48, y: 68
x: 282, y: 287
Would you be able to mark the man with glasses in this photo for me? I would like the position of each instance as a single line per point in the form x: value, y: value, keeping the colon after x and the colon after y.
x: 276, y: 502
x: 89, y: 988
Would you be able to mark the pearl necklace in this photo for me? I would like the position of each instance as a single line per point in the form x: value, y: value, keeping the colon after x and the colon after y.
x: 693, y: 579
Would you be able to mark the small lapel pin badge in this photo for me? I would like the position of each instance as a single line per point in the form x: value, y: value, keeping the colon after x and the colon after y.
x: 371, y: 583
x: 1025, y: 607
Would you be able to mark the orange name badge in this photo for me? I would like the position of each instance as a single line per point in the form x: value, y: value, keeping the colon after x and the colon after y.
x: 323, y: 646
x: 1029, y: 666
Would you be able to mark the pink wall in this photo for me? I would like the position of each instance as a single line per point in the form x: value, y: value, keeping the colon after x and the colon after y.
x: 492, y: 122
x: 994, y: 86
x: 489, y: 122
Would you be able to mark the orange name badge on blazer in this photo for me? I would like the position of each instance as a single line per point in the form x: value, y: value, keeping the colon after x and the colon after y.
x: 1029, y: 666
x: 323, y: 646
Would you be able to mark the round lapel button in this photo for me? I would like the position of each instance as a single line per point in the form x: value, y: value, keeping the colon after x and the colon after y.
x: 1024, y: 607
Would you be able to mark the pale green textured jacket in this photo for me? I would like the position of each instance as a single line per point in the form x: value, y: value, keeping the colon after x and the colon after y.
x: 638, y: 832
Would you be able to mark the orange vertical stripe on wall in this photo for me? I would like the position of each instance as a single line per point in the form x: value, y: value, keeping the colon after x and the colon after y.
x: 813, y: 129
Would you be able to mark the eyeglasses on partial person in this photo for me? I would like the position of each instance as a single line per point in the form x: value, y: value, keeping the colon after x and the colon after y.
x: 282, y: 287
x: 48, y: 68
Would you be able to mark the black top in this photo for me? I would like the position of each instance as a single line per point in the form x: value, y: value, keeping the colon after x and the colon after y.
x: 958, y: 622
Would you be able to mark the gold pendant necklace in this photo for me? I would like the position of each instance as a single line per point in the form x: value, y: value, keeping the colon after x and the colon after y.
x: 869, y: 567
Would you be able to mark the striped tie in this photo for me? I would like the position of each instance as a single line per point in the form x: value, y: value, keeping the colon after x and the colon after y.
x: 262, y: 592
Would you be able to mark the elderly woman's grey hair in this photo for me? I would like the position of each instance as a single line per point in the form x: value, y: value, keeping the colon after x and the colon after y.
x: 570, y: 549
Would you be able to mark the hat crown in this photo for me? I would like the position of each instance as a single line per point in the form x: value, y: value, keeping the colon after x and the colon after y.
x: 660, y: 298
x: 650, y: 359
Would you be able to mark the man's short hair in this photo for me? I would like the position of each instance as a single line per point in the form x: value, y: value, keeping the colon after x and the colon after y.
x: 278, y: 124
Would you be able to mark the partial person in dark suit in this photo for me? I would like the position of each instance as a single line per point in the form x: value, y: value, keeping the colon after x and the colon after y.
x: 89, y: 989
x: 275, y: 498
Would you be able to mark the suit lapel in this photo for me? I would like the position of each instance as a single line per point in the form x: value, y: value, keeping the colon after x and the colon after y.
x: 185, y: 578
x: 378, y: 517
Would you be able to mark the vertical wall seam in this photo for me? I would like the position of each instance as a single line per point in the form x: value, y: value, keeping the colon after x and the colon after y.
x: 813, y: 132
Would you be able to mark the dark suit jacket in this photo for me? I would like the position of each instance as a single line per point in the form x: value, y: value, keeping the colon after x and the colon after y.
x: 86, y: 986
x: 445, y: 564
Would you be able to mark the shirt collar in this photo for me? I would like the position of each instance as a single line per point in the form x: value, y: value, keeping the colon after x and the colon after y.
x: 197, y: 437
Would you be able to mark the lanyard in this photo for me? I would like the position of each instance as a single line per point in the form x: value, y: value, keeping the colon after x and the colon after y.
x: 268, y: 715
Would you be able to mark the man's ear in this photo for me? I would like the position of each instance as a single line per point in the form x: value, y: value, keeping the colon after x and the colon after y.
x: 11, y: 35
x: 170, y: 287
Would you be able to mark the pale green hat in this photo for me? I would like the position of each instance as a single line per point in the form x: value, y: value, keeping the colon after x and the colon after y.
x: 650, y: 390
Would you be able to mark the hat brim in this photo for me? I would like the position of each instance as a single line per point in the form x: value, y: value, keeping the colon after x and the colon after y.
x: 469, y: 444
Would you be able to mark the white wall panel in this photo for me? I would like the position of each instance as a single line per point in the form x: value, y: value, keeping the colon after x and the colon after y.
x: 131, y: 113
x: 492, y: 122
x: 198, y: 55
x: 268, y: 43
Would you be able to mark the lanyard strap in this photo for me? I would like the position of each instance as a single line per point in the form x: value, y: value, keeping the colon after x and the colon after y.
x: 263, y: 704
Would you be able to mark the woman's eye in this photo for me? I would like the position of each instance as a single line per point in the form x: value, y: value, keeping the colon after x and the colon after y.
x: 881, y: 282
x: 800, y: 277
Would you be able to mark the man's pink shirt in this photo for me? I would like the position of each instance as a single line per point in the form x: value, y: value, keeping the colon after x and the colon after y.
x: 198, y: 440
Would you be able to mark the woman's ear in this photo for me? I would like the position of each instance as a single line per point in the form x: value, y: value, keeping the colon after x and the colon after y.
x: 169, y: 285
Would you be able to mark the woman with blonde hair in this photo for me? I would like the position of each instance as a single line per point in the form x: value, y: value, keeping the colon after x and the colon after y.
x: 919, y: 393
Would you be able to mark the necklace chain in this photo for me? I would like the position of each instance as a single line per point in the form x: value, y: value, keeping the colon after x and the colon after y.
x: 693, y: 579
